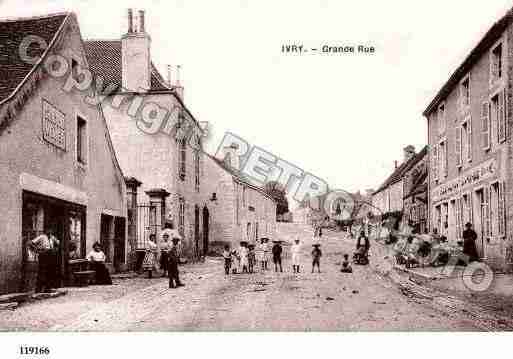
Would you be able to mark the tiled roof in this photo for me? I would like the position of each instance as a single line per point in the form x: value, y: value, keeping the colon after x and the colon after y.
x: 12, y: 32
x: 238, y: 176
x: 104, y: 58
x: 400, y: 171
x: 488, y: 40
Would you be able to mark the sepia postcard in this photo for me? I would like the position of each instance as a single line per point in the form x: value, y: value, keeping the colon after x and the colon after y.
x: 253, y: 166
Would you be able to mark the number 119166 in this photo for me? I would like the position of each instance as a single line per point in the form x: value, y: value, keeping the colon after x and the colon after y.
x: 34, y: 350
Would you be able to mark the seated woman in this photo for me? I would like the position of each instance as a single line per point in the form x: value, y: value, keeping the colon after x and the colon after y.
x: 97, y: 261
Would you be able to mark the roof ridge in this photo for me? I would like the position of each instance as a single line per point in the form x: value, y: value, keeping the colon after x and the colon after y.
x: 35, y: 17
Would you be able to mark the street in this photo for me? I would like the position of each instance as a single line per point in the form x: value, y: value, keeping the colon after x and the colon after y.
x: 262, y: 301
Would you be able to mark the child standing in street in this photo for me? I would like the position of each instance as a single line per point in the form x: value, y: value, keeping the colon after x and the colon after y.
x: 295, y: 250
x: 346, y: 267
x: 277, y: 250
x: 316, y: 257
x: 235, y: 262
x: 227, y: 259
x: 251, y: 257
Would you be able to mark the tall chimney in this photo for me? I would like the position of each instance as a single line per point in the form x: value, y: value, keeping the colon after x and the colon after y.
x: 395, y: 164
x: 135, y: 56
x: 141, y: 21
x: 169, y: 76
x: 130, y: 21
x: 178, y: 86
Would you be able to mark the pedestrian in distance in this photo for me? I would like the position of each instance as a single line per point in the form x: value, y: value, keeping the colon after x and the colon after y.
x: 260, y: 253
x: 267, y: 253
x: 97, y: 262
x: 277, y: 250
x: 235, y: 262
x: 295, y: 250
x: 165, y: 246
x: 316, y: 257
x: 173, y: 261
x: 251, y: 258
x: 150, y: 257
x: 346, y: 266
x: 227, y: 255
x: 46, y: 245
x: 243, y: 254
x: 469, y: 243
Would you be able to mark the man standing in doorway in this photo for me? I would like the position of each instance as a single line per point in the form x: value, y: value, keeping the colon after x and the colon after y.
x: 47, y: 247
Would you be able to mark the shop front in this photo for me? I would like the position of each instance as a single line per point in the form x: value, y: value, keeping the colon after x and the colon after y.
x: 477, y: 197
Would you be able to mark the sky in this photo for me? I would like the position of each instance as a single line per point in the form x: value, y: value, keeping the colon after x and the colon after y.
x: 342, y: 117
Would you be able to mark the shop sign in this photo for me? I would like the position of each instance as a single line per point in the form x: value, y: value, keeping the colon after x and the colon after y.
x: 476, y: 174
x: 54, y: 126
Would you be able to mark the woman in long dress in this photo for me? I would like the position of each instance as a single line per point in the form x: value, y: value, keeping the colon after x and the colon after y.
x: 260, y: 253
x: 244, y: 260
x: 150, y: 256
x: 97, y: 260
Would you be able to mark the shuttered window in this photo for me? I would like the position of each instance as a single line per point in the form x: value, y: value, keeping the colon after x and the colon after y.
x: 469, y: 139
x: 501, y: 210
x: 485, y: 212
x: 457, y: 145
x: 434, y: 158
x: 501, y: 118
x: 485, y: 120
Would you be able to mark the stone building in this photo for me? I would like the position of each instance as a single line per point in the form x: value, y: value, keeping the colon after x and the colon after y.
x: 388, y: 198
x: 415, y: 192
x: 156, y: 138
x: 469, y: 131
x: 238, y: 209
x: 57, y: 164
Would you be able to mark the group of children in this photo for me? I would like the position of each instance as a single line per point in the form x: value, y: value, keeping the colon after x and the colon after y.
x: 243, y: 260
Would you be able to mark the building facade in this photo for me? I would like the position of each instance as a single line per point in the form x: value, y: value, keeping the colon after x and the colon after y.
x: 389, y: 197
x: 57, y: 163
x: 415, y: 193
x: 239, y: 210
x: 156, y: 138
x: 469, y: 127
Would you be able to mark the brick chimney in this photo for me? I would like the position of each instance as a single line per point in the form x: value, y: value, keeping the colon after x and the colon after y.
x: 409, y: 152
x: 135, y: 55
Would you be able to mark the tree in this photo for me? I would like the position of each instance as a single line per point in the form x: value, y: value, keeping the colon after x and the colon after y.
x: 279, y: 194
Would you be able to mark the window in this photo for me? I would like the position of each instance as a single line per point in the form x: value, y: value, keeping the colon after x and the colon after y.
x: 181, y: 216
x: 458, y: 214
x: 496, y: 64
x: 256, y: 231
x: 441, y: 118
x: 467, y: 208
x: 497, y: 209
x: 457, y: 145
x: 485, y: 120
x: 483, y: 196
x: 197, y: 170
x: 182, y: 158
x: 466, y: 140
x: 75, y: 71
x: 248, y: 231
x: 243, y: 196
x: 465, y: 93
x: 499, y: 116
x: 81, y: 140
x: 445, y: 218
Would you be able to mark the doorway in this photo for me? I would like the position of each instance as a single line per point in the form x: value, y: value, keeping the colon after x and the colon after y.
x: 196, y: 231
x: 206, y: 224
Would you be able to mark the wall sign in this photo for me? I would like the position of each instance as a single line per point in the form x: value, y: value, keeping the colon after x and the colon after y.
x: 54, y: 126
x: 474, y: 175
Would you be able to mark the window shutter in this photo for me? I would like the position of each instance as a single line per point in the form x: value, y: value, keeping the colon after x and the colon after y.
x: 501, y: 118
x: 501, y: 210
x: 434, y: 156
x: 457, y: 145
x: 446, y: 159
x: 470, y: 208
x: 485, y: 120
x: 486, y: 211
x: 469, y: 139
